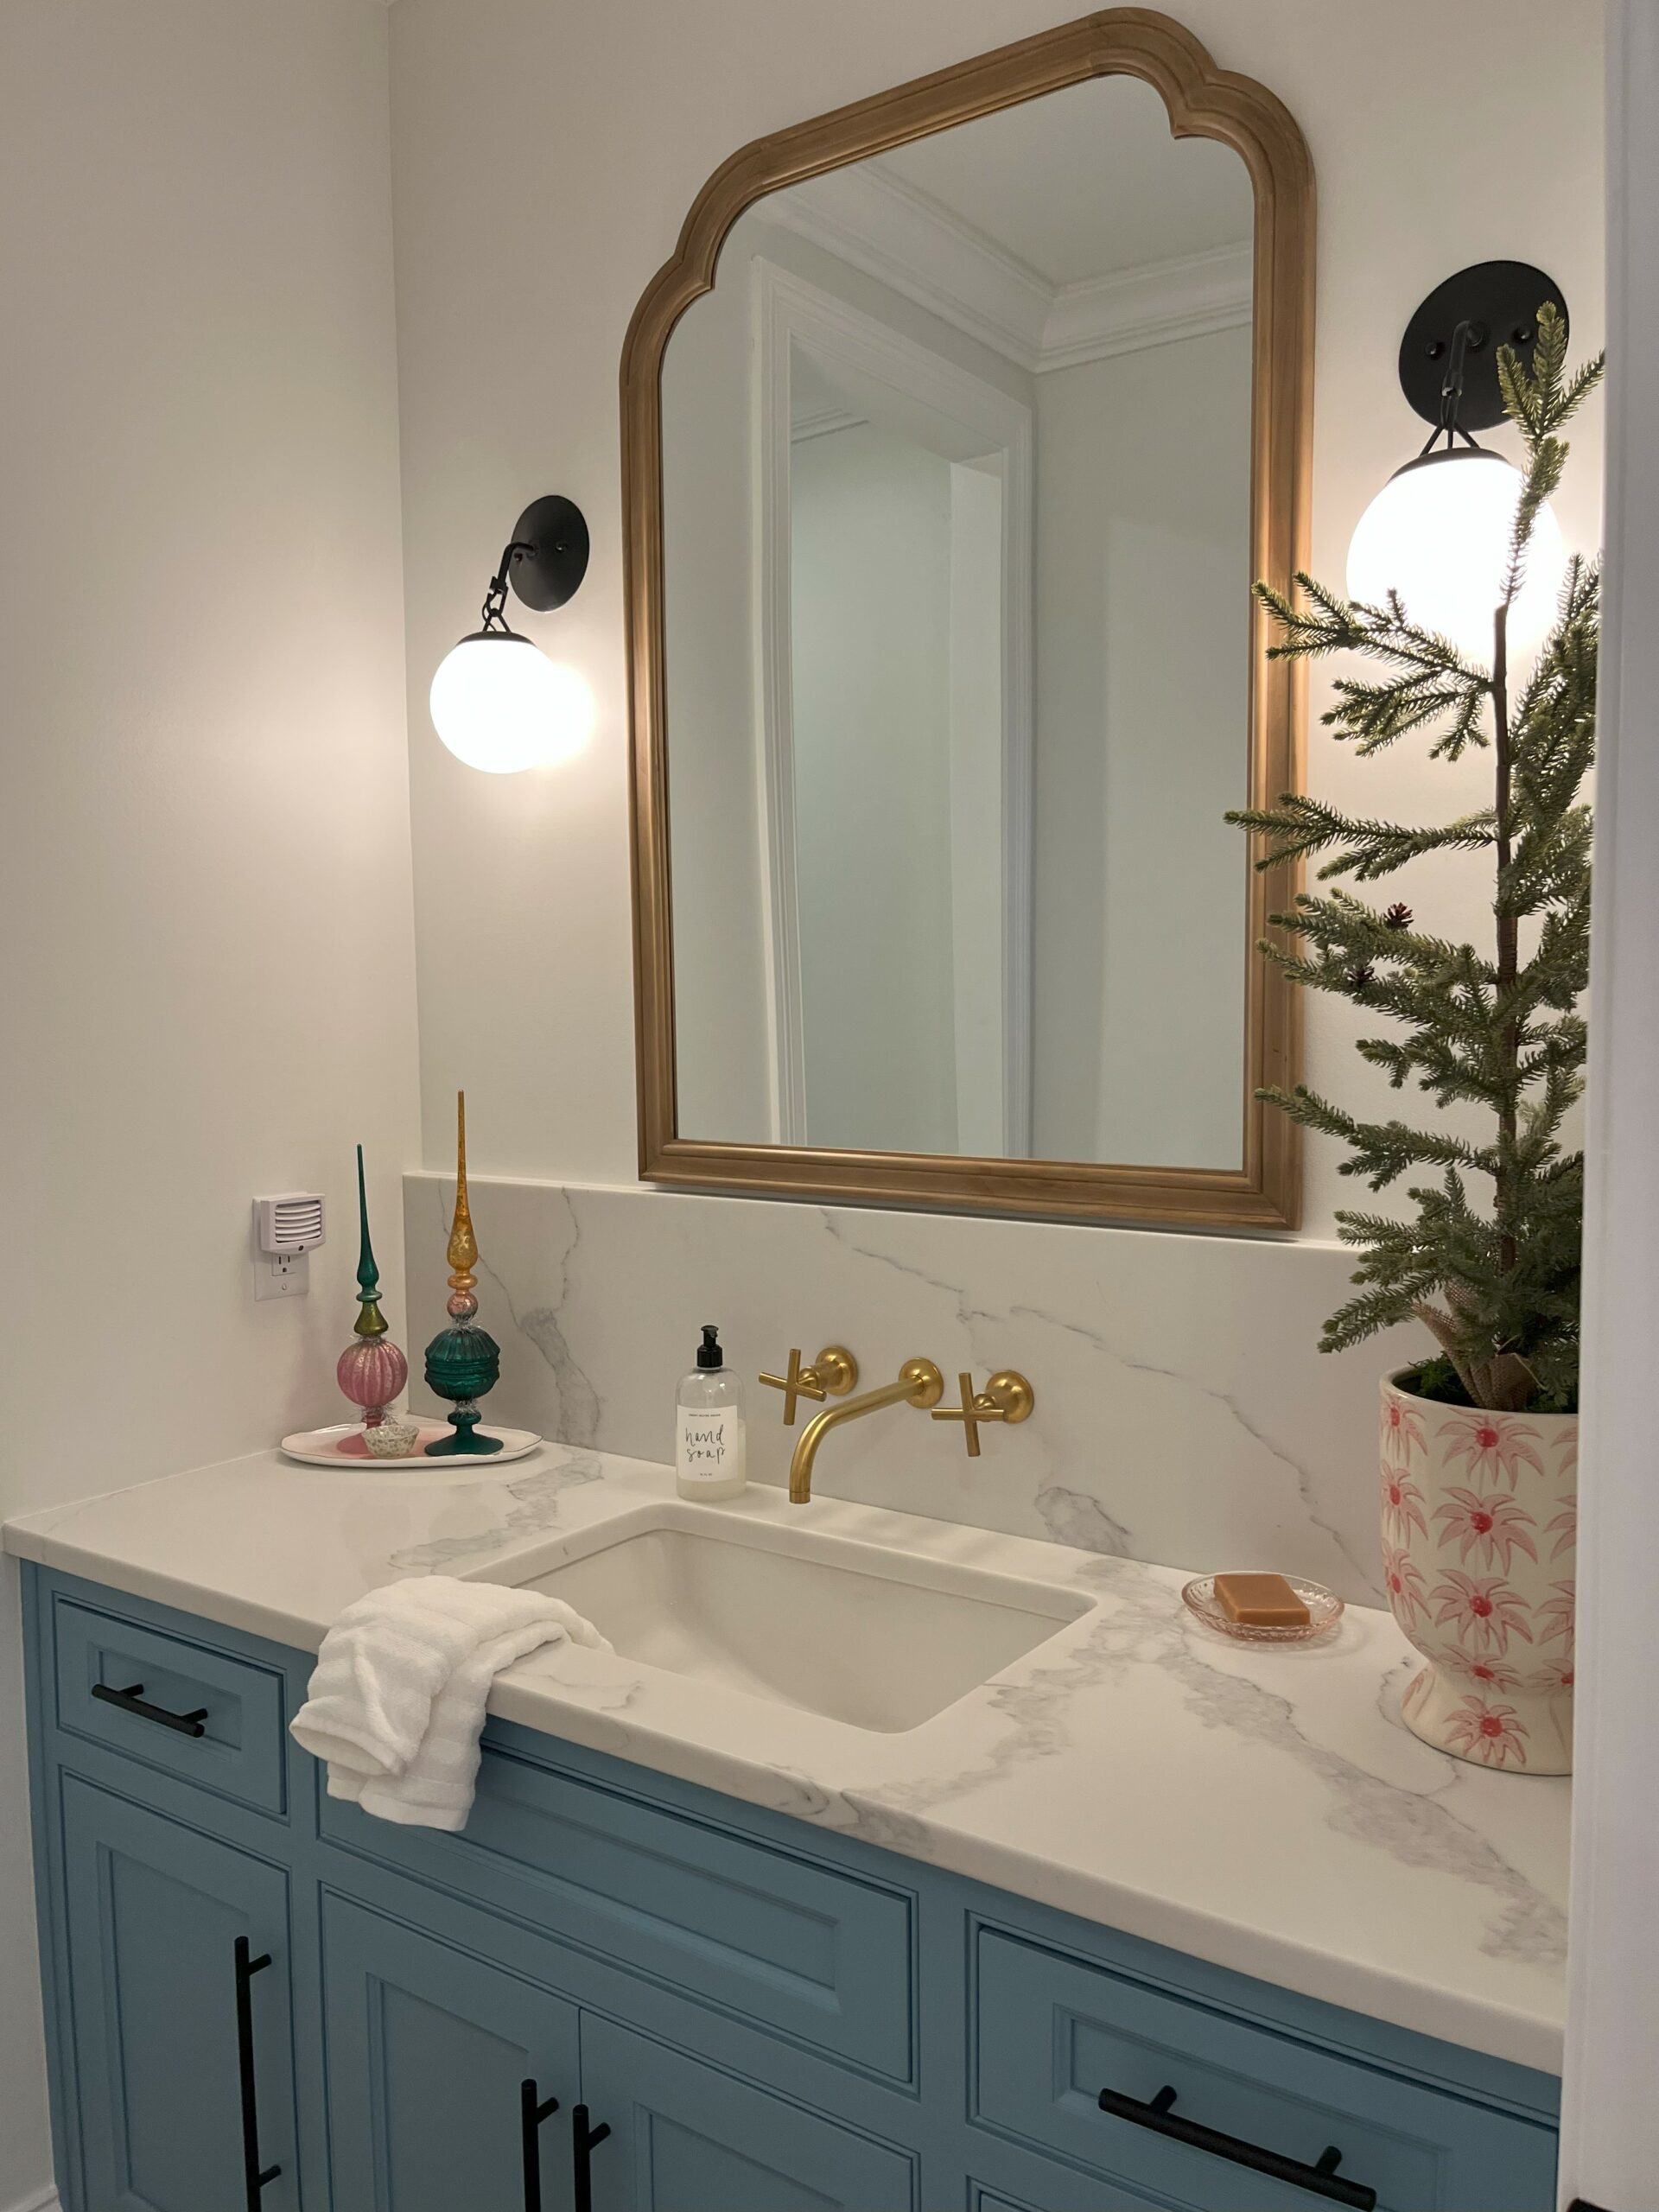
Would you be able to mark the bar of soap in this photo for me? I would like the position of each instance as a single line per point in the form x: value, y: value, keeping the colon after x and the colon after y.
x: 1261, y: 1601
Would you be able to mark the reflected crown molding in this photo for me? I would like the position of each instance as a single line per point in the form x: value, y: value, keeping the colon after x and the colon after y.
x: 806, y: 422
x: 914, y: 243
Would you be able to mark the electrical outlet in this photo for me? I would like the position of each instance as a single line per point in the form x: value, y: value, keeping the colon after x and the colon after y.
x: 287, y: 1276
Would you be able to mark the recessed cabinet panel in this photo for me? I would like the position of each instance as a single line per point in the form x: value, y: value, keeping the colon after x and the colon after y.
x: 427, y: 2049
x: 686, y: 2138
x: 155, y: 1911
x: 1053, y: 2032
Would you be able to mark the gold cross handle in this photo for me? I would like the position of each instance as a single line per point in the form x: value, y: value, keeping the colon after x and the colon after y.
x: 831, y: 1375
x: 1007, y: 1397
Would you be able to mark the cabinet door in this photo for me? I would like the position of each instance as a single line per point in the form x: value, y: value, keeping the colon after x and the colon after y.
x: 685, y: 2138
x: 429, y: 2048
x: 179, y: 2075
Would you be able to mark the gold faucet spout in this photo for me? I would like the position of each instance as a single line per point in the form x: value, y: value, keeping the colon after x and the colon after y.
x: 919, y: 1383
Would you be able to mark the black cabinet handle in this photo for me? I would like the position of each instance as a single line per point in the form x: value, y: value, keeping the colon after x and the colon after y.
x: 131, y: 1700
x: 582, y: 2139
x: 1319, y: 2179
x: 254, y: 2179
x: 533, y: 2109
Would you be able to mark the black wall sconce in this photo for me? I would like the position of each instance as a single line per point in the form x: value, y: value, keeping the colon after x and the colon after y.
x: 497, y: 702
x: 1437, y: 532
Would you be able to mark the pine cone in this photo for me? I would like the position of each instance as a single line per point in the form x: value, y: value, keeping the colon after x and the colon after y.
x: 1358, y: 978
x: 1398, y: 917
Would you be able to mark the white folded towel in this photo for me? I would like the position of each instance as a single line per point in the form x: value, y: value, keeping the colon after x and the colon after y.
x: 395, y: 1702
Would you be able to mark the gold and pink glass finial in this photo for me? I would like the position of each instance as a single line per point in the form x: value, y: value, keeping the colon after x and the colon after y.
x: 372, y: 1370
x: 463, y: 1361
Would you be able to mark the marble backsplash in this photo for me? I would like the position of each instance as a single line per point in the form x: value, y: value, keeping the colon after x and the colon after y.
x: 1184, y: 1415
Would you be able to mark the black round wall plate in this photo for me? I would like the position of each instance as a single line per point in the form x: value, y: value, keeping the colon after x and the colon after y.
x: 1502, y: 298
x: 556, y: 530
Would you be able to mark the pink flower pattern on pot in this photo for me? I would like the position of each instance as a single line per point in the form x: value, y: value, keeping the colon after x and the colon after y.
x: 1491, y: 1733
x: 1402, y: 1504
x: 1479, y: 1515
x: 1492, y: 1527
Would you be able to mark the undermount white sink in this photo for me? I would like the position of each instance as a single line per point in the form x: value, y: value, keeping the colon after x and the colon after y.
x: 881, y: 1639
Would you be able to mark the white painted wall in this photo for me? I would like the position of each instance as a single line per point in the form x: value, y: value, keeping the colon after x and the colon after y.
x: 1143, y: 523
x: 208, y: 986
x: 1610, y: 2124
x: 510, y: 332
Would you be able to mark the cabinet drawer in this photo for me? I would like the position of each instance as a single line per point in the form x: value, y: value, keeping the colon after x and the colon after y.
x: 780, y: 1942
x: 1052, y: 2031
x: 236, y: 1705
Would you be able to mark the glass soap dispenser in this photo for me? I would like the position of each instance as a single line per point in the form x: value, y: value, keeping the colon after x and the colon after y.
x: 710, y: 1447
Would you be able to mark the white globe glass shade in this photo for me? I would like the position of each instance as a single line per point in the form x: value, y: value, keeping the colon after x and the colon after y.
x: 1438, y: 534
x: 499, y: 704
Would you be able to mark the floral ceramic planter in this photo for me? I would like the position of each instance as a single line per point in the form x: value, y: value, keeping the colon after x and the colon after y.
x: 1479, y: 1537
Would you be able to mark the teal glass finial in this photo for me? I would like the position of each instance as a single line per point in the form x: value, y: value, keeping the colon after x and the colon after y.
x: 371, y: 1321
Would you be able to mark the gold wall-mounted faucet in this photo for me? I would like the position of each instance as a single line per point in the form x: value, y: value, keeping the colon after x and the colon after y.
x: 1008, y: 1396
x: 919, y: 1384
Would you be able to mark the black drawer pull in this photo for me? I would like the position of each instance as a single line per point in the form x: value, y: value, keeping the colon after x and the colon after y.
x: 582, y: 2139
x: 1318, y: 2180
x: 131, y: 1700
x: 533, y: 2109
x: 254, y: 2179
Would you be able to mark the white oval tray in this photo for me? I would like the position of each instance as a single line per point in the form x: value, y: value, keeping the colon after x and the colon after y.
x: 320, y: 1448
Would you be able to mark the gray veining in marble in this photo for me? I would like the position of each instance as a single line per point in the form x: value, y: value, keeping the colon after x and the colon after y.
x: 534, y: 1509
x: 1414, y: 1828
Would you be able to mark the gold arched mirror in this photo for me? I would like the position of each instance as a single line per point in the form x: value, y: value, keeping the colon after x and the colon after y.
x: 954, y: 435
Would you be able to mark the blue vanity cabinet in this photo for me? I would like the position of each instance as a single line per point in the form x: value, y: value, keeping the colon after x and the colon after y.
x: 686, y: 2136
x: 181, y: 2075
x: 753, y: 2013
x: 429, y: 2048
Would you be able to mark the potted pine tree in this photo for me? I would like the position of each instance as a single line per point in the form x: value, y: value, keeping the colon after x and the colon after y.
x: 1480, y: 1438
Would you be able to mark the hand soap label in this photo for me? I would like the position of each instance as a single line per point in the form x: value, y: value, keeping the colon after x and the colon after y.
x: 710, y: 1447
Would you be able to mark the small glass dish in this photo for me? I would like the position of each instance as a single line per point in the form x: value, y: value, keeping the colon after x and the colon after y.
x: 1323, y: 1608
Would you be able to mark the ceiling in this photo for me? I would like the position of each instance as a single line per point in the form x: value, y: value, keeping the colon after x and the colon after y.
x: 1083, y: 183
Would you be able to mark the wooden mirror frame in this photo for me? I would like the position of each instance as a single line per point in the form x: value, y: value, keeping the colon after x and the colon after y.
x: 1202, y: 101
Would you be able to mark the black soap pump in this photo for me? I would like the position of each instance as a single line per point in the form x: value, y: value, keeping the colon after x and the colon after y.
x: 711, y: 1442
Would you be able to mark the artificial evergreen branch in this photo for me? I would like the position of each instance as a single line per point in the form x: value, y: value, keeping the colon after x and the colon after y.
x: 1493, y: 1278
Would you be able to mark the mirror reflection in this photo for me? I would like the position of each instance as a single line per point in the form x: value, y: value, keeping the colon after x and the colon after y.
x: 957, y: 523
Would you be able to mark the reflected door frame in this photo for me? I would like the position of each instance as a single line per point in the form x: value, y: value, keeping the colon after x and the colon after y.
x: 788, y: 311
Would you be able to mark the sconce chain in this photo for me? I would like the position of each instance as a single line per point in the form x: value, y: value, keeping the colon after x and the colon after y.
x: 495, y: 599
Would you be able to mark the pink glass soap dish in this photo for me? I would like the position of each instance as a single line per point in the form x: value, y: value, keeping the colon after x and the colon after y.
x: 1323, y: 1608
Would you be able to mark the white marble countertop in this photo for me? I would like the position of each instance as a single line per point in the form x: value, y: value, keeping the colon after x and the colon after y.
x: 1263, y: 1809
